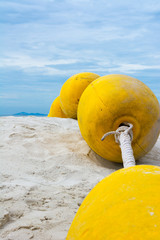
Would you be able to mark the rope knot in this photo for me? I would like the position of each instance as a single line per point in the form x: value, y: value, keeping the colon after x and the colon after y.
x: 126, y: 129
x: 124, y: 136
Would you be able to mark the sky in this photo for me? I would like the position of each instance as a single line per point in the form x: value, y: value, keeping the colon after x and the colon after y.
x: 44, y: 42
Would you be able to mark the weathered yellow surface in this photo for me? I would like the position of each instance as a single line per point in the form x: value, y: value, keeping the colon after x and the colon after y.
x: 72, y: 90
x: 123, y: 206
x: 55, y: 110
x: 111, y: 100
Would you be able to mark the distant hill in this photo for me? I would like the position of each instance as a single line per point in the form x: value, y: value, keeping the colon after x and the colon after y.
x: 29, y: 114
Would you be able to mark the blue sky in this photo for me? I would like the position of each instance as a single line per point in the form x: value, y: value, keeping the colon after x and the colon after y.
x: 44, y: 42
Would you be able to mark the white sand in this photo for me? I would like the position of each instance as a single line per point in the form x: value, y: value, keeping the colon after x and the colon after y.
x: 46, y: 170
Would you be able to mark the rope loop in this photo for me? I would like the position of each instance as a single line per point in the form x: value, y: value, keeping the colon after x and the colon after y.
x: 124, y: 136
x: 126, y: 128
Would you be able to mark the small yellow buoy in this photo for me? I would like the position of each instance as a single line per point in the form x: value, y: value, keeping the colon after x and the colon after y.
x: 123, y: 206
x: 55, y: 110
x: 109, y: 102
x: 71, y: 92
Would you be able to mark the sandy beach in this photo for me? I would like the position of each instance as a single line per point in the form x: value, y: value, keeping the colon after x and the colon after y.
x: 46, y: 170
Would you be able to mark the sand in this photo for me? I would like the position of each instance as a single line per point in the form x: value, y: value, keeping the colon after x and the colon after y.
x: 46, y: 170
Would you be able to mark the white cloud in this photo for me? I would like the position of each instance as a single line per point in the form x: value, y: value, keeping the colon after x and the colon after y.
x: 8, y: 96
x: 132, y: 68
x: 46, y: 66
x: 19, y: 6
x: 30, y: 64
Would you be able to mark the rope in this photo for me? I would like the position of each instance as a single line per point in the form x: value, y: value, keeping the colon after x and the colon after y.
x: 123, y: 136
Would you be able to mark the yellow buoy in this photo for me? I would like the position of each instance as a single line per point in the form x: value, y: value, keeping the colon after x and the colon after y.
x: 112, y: 100
x: 55, y: 110
x: 123, y: 206
x: 71, y: 92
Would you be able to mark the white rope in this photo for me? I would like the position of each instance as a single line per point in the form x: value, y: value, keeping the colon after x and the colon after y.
x: 123, y: 136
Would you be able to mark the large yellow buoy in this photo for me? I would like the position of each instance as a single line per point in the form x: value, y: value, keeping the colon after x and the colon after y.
x: 72, y: 90
x: 123, y: 206
x: 55, y: 109
x: 112, y: 100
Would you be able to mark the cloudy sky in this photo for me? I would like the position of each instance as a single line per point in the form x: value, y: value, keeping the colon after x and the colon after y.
x: 44, y: 42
